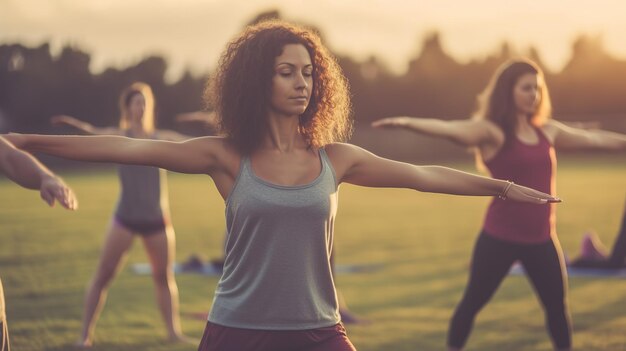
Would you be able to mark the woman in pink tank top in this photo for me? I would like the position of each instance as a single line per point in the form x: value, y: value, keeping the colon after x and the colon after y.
x: 515, y: 139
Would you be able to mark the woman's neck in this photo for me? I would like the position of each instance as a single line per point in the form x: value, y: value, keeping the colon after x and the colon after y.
x: 283, y: 134
x: 525, y: 130
x: 523, y: 122
x: 137, y: 129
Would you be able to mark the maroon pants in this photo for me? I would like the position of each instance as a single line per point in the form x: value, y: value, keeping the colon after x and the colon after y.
x: 220, y: 338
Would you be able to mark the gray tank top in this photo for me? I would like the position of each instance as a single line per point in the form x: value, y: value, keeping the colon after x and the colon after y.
x: 277, y: 273
x: 143, y: 193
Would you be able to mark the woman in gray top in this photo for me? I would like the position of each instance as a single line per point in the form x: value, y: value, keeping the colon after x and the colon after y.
x: 142, y: 209
x: 283, y: 104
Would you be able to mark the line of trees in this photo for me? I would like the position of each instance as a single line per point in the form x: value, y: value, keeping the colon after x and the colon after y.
x: 34, y: 85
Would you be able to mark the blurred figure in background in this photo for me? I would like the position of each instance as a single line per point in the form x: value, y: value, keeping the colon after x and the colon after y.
x: 142, y: 210
x: 595, y: 255
x: 515, y: 138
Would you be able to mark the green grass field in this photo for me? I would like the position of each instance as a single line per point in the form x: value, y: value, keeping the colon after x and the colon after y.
x: 47, y: 257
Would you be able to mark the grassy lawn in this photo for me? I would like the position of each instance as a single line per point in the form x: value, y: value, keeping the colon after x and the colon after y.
x: 424, y: 242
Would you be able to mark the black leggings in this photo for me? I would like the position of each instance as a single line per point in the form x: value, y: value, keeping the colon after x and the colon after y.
x: 616, y: 260
x: 491, y: 261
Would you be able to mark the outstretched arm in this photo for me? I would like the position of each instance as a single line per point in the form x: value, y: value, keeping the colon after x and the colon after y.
x: 25, y: 170
x: 566, y: 137
x: 193, y: 156
x: 357, y: 166
x: 463, y: 132
x: 170, y: 135
x: 83, y: 126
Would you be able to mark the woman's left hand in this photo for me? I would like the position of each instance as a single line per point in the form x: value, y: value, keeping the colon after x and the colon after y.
x: 525, y: 194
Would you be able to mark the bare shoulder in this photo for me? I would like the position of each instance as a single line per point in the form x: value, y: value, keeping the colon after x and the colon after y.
x: 345, y: 157
x: 552, y: 128
x: 552, y: 125
x: 492, y: 140
x: 342, y: 156
x: 337, y: 147
x: 225, y: 155
x: 494, y: 133
x: 343, y: 151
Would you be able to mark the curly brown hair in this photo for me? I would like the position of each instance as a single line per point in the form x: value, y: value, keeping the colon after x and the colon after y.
x: 241, y: 88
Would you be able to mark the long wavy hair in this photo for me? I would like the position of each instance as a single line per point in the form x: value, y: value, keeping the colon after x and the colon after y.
x: 148, y: 115
x: 497, y: 104
x: 241, y: 88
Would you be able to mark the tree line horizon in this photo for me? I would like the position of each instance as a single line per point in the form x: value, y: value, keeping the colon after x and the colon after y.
x: 35, y: 85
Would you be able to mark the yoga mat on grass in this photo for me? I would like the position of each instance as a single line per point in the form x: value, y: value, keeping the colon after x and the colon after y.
x: 517, y: 269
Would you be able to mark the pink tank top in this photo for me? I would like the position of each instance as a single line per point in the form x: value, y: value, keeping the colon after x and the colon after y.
x: 533, y: 166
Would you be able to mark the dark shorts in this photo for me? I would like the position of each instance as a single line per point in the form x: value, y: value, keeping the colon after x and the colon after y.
x: 143, y: 228
x: 220, y: 338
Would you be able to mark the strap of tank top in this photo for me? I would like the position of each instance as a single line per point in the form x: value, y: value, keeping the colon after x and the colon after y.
x: 542, y: 135
x: 245, y: 166
x: 328, y: 165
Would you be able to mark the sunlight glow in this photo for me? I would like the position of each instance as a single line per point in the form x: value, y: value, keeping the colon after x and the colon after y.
x: 191, y: 33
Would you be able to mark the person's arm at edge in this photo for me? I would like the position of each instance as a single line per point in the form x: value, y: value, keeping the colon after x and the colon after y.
x: 197, y: 155
x: 28, y: 172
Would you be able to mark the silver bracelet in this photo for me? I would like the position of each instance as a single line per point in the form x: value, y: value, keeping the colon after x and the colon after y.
x: 504, y: 192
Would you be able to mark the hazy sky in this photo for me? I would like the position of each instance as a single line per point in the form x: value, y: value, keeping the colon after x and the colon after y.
x: 192, y: 33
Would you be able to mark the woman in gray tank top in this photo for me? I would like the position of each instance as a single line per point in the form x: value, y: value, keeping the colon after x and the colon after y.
x: 284, y: 107
x: 142, y: 209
